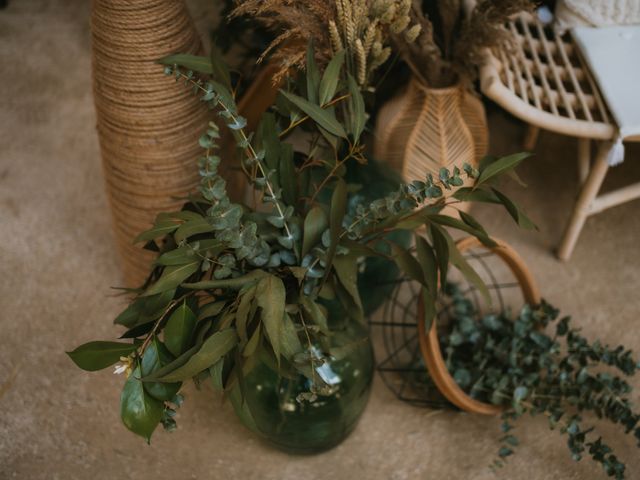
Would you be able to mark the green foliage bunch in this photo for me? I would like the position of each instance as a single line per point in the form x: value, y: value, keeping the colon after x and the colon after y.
x: 236, y: 285
x: 514, y: 363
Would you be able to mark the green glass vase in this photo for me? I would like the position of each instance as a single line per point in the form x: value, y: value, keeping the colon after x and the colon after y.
x: 271, y: 408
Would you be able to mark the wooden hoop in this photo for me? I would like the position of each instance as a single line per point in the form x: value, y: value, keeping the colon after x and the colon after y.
x: 430, y: 347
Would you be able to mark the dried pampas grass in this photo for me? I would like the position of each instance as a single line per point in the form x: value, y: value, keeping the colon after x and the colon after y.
x: 441, y: 59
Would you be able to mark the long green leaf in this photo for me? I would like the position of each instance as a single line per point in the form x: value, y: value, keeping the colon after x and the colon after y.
x: 428, y: 263
x: 330, y: 77
x: 185, y: 254
x: 242, y: 314
x: 458, y: 260
x: 516, y: 213
x: 346, y: 269
x: 271, y: 297
x: 190, y: 62
x: 154, y: 358
x: 289, y: 341
x: 192, y: 227
x: 94, y: 356
x: 336, y: 216
x: 213, y: 348
x: 322, y: 117
x: 315, y: 314
x: 407, y: 264
x: 172, y: 277
x: 358, y: 114
x: 315, y: 223
x: 312, y: 74
x: 470, y: 194
x: 439, y: 236
x: 211, y: 309
x: 500, y: 166
x: 287, y: 174
x: 219, y: 67
x: 429, y: 304
x: 231, y: 283
x: 452, y: 222
x: 178, y: 333
x: 158, y: 230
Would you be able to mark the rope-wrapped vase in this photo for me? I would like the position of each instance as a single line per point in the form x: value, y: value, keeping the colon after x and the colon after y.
x: 423, y: 129
x: 148, y: 125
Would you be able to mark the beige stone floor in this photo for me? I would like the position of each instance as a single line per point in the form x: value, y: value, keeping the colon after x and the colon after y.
x: 57, y: 262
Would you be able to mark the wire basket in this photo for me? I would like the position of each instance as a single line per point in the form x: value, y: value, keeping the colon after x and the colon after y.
x: 408, y: 357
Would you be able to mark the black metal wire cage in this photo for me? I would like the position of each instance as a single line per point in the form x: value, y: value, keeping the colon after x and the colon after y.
x: 394, y: 327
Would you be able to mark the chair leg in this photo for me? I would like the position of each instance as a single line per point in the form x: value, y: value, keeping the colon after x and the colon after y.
x: 530, y: 138
x: 584, y: 158
x: 582, y: 207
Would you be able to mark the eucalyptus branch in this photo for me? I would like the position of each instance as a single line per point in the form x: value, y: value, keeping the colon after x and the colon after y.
x: 251, y: 153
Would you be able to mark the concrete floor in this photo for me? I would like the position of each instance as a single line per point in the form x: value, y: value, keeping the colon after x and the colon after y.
x: 57, y: 262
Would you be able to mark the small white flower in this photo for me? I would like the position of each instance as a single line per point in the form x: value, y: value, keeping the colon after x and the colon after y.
x: 125, y: 367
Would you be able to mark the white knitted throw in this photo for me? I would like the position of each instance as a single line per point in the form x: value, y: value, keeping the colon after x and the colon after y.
x: 596, y: 13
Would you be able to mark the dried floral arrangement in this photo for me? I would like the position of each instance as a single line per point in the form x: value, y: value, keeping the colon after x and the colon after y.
x: 509, y: 360
x: 235, y: 286
x: 442, y: 42
x: 451, y: 41
x: 360, y: 28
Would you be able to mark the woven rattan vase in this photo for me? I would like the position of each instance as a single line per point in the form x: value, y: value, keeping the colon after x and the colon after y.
x: 148, y: 125
x: 424, y: 129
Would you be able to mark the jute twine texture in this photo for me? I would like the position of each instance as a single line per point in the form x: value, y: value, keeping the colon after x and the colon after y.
x: 148, y: 125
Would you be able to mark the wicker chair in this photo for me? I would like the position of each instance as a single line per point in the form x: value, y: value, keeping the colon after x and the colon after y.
x: 541, y: 79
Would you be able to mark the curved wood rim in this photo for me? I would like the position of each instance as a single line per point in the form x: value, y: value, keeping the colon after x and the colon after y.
x: 430, y: 347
